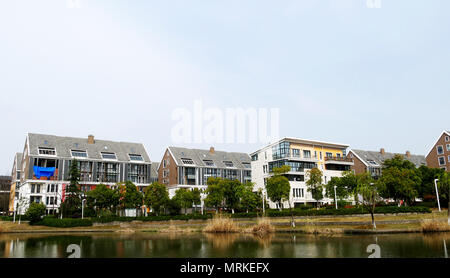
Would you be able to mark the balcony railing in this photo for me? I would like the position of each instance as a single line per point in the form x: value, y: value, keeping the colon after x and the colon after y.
x: 338, y: 159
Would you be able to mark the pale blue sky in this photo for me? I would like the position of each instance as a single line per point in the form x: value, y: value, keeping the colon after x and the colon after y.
x: 337, y: 70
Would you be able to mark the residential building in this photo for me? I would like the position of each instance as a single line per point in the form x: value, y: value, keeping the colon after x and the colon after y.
x: 46, y: 161
x: 301, y: 155
x: 439, y: 154
x: 191, y: 168
x: 372, y: 161
x: 5, y: 186
x: 154, y: 172
x: 15, y: 180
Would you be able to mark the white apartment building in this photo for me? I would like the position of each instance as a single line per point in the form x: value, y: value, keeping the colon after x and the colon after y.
x: 301, y: 155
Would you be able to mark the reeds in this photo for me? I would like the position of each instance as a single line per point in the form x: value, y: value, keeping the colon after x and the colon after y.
x: 221, y: 224
x: 262, y: 227
x: 433, y: 226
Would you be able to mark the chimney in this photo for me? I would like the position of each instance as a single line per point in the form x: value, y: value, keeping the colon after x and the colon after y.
x: 382, y: 151
x: 408, y: 154
x: 211, y: 150
x: 91, y: 139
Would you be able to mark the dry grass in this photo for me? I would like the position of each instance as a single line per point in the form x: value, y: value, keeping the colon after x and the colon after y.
x: 221, y: 224
x: 262, y: 227
x: 433, y: 226
x: 320, y: 230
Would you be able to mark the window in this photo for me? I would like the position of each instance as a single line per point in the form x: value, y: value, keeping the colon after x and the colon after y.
x: 448, y: 147
x: 281, y: 150
x: 209, y: 162
x: 187, y: 161
x: 298, y: 192
x: 338, y: 155
x: 108, y: 155
x: 329, y: 155
x: 136, y: 157
x: 295, y: 152
x: 307, y: 154
x: 35, y: 188
x: 47, y: 151
x: 254, y: 157
x: 228, y: 163
x: 371, y: 162
x: 79, y: 154
x: 441, y: 160
x: 52, y: 188
x: 246, y: 165
x: 447, y: 138
x: 440, y: 149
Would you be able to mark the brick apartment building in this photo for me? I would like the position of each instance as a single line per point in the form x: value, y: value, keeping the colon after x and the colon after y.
x: 439, y: 154
x: 372, y: 161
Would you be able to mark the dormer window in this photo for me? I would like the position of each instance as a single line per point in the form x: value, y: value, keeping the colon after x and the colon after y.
x: 187, y: 161
x: 82, y: 154
x: 209, y: 162
x: 111, y: 156
x: 372, y: 162
x: 136, y: 157
x: 47, y: 151
x: 228, y: 163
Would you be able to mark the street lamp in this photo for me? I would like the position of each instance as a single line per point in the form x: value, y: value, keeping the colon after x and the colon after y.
x: 82, y: 208
x: 437, y: 193
x: 335, y: 198
x: 264, y: 205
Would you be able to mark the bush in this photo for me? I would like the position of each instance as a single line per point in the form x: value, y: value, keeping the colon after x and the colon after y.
x: 35, y: 212
x: 153, y: 218
x: 64, y: 223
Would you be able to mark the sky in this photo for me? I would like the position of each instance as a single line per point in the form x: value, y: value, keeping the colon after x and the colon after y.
x: 370, y: 76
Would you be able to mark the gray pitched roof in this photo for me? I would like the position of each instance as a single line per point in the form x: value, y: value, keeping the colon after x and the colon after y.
x: 19, y: 157
x: 154, y: 170
x: 218, y: 157
x: 63, y: 146
x: 379, y: 158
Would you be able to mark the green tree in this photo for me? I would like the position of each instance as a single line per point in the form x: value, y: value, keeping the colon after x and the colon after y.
x: 367, y: 190
x: 214, y: 191
x: 444, y: 191
x: 196, y: 197
x: 314, y: 184
x: 35, y: 212
x: 250, y: 201
x: 345, y: 186
x: 129, y: 196
x: 72, y: 202
x: 428, y: 175
x: 103, y: 198
x: 400, y: 180
x: 184, y: 198
x: 173, y: 207
x: 231, y: 193
x: 156, y: 197
x: 278, y: 186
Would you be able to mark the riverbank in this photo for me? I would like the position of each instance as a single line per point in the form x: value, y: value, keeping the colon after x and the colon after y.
x: 360, y: 224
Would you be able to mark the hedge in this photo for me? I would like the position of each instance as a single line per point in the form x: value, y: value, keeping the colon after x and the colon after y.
x: 348, y: 211
x: 64, y: 223
x: 152, y: 218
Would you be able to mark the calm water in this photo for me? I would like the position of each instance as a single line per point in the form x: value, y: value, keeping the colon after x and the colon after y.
x: 149, y: 245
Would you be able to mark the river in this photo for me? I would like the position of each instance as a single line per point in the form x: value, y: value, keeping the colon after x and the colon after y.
x: 197, y: 245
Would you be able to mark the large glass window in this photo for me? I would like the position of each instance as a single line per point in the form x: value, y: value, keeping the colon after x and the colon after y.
x: 307, y: 154
x: 107, y: 172
x: 108, y: 155
x: 136, y: 157
x: 281, y: 150
x: 137, y: 173
x: 296, y: 166
x: 47, y: 151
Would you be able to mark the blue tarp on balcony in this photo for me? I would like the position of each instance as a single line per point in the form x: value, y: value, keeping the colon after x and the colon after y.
x: 44, y: 171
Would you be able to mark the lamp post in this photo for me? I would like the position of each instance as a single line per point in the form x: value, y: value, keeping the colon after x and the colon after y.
x: 437, y: 193
x: 82, y: 208
x: 264, y: 205
x: 335, y: 198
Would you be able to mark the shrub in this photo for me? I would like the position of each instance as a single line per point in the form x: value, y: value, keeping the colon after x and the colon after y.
x: 262, y: 227
x: 35, y: 212
x: 430, y: 226
x: 65, y: 222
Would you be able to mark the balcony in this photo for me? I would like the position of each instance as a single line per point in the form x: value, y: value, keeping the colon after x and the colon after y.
x: 338, y: 160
